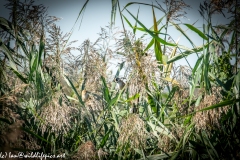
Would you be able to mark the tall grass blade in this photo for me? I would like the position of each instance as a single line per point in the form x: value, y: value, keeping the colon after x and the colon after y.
x: 150, y: 44
x: 35, y: 135
x: 170, y: 65
x: 131, y: 3
x: 129, y: 23
x: 113, y: 12
x: 187, y: 53
x: 133, y: 97
x: 79, y: 14
x: 221, y: 104
x: 106, y: 94
x: 105, y: 138
x: 151, y: 32
x: 194, y: 29
x: 157, y: 45
x: 135, y: 26
x: 74, y: 89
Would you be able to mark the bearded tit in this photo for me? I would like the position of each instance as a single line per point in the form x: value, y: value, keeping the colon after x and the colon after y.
x: 85, y: 95
x: 120, y: 83
x: 133, y: 109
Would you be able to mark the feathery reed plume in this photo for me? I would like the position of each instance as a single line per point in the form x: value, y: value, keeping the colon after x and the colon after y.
x: 132, y: 131
x: 210, y: 119
x: 86, y: 151
x: 55, y: 115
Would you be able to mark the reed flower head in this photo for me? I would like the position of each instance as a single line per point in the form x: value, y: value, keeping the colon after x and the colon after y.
x: 133, y: 132
x: 210, y: 119
x: 86, y: 151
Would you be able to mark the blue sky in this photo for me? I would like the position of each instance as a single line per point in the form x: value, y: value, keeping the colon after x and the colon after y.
x: 98, y: 14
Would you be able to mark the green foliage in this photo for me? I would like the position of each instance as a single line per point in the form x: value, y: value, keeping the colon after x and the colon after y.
x: 156, y: 118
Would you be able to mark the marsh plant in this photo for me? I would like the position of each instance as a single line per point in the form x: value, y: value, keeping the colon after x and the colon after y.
x: 164, y: 111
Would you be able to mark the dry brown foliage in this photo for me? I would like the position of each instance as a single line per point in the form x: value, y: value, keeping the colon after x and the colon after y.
x: 55, y: 116
x: 210, y: 119
x: 132, y: 131
x: 86, y: 151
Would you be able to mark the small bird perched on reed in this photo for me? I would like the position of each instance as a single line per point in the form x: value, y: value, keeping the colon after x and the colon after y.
x: 85, y: 95
x: 120, y: 83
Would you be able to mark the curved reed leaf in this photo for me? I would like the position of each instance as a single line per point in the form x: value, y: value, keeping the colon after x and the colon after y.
x: 157, y: 45
x: 105, y: 138
x: 74, y: 89
x: 135, y: 26
x: 221, y: 104
x: 151, y: 32
x: 201, y: 34
x: 183, y: 33
x: 106, y: 94
x: 128, y: 22
x: 187, y: 53
x: 149, y: 45
x: 131, y: 3
x: 133, y: 97
x: 35, y: 135
x: 114, y: 10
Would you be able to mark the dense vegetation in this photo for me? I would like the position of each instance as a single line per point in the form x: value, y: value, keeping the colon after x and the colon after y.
x: 163, y: 112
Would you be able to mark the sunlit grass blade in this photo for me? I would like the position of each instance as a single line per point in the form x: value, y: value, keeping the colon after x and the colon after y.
x: 187, y: 53
x: 152, y: 103
x: 169, y: 66
x: 200, y: 33
x: 150, y: 44
x: 197, y: 75
x: 129, y: 23
x: 184, y: 34
x: 33, y: 64
x: 158, y: 22
x: 114, y: 100
x: 79, y: 14
x: 171, y: 80
x: 106, y: 136
x: 210, y: 145
x: 74, y: 89
x: 157, y: 45
x: 131, y: 3
x: 41, y: 50
x: 106, y: 94
x: 151, y: 32
x: 135, y: 26
x: 199, y: 61
x: 114, y: 10
x: 133, y: 97
x: 116, y: 120
x: 180, y: 148
x: 171, y: 94
x: 221, y: 104
x: 158, y: 127
x: 206, y: 60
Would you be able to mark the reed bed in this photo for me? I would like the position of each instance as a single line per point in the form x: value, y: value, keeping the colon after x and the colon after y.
x: 164, y: 111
